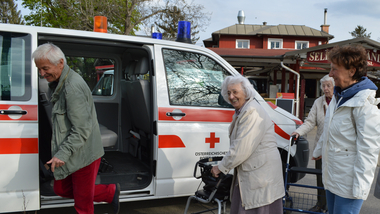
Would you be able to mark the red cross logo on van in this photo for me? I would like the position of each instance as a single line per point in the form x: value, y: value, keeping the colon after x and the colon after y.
x: 212, y: 140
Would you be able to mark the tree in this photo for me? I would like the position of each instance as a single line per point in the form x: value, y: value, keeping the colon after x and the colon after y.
x: 79, y: 14
x: 180, y: 10
x: 124, y: 17
x: 146, y: 9
x: 360, y: 31
x: 9, y: 12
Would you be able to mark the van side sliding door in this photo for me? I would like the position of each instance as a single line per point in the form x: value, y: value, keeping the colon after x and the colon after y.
x: 19, y: 184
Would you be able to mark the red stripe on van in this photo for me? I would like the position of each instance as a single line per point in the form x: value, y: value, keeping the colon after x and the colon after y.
x: 281, y: 132
x: 272, y: 105
x: 170, y: 141
x: 31, y: 115
x: 18, y: 146
x: 298, y: 122
x: 199, y: 115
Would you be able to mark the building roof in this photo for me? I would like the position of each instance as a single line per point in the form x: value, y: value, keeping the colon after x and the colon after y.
x: 229, y: 52
x: 274, y: 30
x: 255, y: 60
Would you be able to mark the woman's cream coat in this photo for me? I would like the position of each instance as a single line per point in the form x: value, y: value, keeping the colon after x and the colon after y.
x: 316, y: 117
x: 350, y: 145
x: 254, y: 155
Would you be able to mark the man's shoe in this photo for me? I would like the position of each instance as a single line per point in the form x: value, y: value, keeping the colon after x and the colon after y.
x: 316, y: 208
x: 115, y: 201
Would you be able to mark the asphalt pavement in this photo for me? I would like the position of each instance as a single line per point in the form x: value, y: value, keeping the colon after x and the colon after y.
x: 177, y: 205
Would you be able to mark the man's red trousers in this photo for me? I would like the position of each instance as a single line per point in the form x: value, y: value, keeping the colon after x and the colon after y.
x: 80, y: 186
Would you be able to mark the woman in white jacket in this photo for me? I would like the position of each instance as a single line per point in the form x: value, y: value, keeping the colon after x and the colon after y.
x: 350, y: 142
x: 258, y: 185
x: 316, y: 117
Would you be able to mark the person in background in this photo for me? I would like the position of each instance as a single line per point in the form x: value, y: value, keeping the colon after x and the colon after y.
x: 316, y: 117
x: 76, y: 143
x: 350, y: 142
x: 257, y: 185
x: 377, y: 187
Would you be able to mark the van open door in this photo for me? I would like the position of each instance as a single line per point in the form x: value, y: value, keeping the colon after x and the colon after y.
x: 19, y: 184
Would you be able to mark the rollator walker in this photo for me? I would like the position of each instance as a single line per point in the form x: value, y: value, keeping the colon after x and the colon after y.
x: 298, y: 201
x: 214, y: 189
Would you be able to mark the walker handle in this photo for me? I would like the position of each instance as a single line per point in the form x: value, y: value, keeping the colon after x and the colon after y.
x: 294, y: 140
x: 202, y: 163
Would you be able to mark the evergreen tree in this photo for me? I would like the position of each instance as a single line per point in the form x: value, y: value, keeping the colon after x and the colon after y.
x: 9, y: 12
x: 360, y: 31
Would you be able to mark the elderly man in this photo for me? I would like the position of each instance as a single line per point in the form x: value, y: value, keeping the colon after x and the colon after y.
x: 76, y: 143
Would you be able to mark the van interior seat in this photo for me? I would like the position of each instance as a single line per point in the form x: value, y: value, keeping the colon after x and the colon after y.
x: 129, y: 70
x: 109, y: 138
x: 138, y: 100
x: 139, y: 95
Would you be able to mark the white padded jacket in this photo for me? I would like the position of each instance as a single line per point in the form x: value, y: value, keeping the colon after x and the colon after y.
x: 350, y: 145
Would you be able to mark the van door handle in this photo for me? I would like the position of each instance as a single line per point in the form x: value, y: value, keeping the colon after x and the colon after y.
x: 175, y: 114
x: 13, y: 112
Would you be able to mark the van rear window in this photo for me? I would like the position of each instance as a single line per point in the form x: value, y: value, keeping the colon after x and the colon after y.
x: 15, y: 66
x: 97, y: 72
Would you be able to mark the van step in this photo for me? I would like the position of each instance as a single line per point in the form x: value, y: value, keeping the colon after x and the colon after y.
x: 127, y: 181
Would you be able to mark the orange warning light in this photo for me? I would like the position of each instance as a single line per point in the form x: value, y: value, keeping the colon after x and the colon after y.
x: 100, y: 24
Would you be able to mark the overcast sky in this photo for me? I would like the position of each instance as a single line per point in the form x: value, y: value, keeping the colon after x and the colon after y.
x: 342, y: 15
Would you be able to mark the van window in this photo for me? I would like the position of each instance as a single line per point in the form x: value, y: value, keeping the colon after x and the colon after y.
x: 95, y: 72
x: 15, y: 66
x: 193, y: 79
x: 105, y: 85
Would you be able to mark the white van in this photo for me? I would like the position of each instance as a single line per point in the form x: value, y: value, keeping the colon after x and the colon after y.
x: 159, y: 113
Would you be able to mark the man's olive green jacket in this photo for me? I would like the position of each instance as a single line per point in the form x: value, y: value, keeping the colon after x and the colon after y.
x: 76, y: 137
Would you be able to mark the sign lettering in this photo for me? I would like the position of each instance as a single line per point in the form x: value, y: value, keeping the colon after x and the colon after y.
x: 320, y: 56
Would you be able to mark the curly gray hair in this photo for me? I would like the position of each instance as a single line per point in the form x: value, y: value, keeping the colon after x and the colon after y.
x: 327, y: 78
x: 245, y: 84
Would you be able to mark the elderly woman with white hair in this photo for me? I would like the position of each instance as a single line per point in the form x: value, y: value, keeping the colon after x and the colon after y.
x: 316, y: 117
x: 258, y: 185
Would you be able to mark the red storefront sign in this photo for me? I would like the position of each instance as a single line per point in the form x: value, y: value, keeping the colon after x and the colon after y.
x: 373, y: 58
x: 320, y: 56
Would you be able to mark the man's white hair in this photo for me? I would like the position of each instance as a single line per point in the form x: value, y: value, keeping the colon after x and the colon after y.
x: 50, y: 52
x: 245, y: 85
x: 327, y: 78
